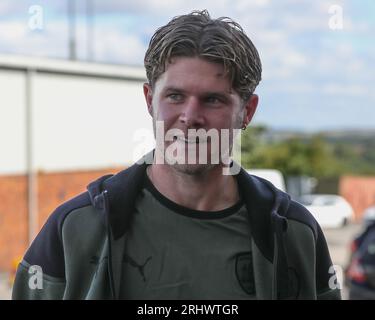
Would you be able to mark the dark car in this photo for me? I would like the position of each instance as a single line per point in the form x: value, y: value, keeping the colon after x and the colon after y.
x: 360, y: 273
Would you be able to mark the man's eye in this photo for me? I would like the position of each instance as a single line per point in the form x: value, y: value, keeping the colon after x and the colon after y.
x: 175, y: 97
x: 213, y: 100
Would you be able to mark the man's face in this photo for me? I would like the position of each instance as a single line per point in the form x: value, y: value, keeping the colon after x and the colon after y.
x: 196, y: 94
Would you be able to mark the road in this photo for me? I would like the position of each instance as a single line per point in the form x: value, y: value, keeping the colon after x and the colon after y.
x: 339, y: 247
x: 5, y: 291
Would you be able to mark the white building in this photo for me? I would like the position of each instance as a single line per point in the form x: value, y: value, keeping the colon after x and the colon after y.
x: 58, y: 115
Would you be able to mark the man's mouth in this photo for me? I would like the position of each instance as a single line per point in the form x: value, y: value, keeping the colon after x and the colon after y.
x: 193, y: 140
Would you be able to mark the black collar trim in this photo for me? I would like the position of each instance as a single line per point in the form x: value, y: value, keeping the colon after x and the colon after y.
x: 185, y: 211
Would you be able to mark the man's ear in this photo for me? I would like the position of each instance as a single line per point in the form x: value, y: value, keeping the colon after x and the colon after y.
x: 249, y: 109
x: 147, y: 91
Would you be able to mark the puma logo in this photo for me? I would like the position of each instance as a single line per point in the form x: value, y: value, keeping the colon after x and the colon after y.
x: 140, y: 267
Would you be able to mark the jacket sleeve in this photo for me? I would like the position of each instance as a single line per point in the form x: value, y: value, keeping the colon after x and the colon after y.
x: 32, y: 283
x: 315, y: 258
x: 41, y: 273
x: 327, y: 281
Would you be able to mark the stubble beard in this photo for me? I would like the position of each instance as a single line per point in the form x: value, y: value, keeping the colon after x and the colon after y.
x: 195, y: 169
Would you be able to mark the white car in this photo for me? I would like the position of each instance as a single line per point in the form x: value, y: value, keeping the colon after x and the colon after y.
x: 272, y: 175
x: 331, y: 211
x: 368, y: 216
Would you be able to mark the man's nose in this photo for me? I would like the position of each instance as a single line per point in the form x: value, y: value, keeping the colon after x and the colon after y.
x: 192, y: 113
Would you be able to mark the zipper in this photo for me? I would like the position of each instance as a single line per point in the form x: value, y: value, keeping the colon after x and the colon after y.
x: 275, y: 267
x: 104, y: 194
x: 281, y: 274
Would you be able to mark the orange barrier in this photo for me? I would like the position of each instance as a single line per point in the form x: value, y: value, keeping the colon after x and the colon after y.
x: 14, y: 266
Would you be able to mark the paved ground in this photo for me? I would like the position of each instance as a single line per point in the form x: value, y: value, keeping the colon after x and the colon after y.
x: 338, y: 242
x: 5, y: 291
x: 339, y: 246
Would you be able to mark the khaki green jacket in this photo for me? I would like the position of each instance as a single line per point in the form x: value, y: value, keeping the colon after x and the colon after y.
x: 79, y: 251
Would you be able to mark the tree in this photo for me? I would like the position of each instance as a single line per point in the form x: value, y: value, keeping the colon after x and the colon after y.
x: 292, y: 156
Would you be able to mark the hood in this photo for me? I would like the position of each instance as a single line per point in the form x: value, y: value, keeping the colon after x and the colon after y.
x: 267, y: 207
x: 114, y: 196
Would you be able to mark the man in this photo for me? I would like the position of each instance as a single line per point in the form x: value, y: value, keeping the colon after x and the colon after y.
x: 180, y: 227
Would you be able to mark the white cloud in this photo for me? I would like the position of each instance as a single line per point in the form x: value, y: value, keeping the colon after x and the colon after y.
x: 279, y: 57
x: 8, y: 7
x: 302, y: 23
x: 117, y: 47
x: 293, y: 59
x: 12, y: 31
x: 16, y: 37
x: 5, y: 7
x: 292, y: 87
x: 111, y: 45
x: 241, y: 5
x: 164, y: 7
x: 286, y: 66
x: 338, y: 89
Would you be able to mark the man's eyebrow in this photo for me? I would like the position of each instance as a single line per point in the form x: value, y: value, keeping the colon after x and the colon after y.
x: 174, y: 89
x: 217, y: 94
x: 223, y: 94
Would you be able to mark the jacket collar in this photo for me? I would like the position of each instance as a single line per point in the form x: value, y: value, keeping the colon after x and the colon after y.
x: 263, y: 201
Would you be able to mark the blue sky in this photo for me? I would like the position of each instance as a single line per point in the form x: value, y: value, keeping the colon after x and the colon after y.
x: 314, y: 77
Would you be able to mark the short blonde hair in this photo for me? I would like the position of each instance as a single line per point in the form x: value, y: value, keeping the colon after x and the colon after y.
x: 219, y: 40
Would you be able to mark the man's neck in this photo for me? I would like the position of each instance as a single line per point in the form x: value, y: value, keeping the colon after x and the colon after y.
x: 208, y: 191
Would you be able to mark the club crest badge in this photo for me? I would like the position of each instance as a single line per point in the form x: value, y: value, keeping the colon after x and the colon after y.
x: 245, y: 272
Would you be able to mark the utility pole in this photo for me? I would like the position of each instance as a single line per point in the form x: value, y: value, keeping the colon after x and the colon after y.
x: 32, y: 175
x: 72, y: 29
x: 90, y: 30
